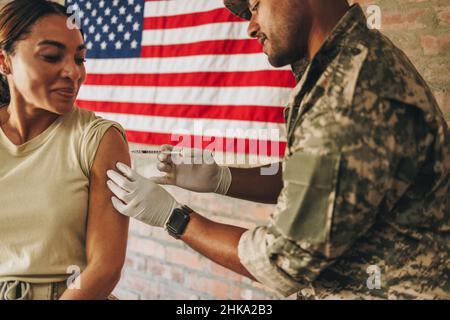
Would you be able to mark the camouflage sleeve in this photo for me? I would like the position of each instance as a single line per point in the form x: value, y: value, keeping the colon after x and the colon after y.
x: 342, y: 172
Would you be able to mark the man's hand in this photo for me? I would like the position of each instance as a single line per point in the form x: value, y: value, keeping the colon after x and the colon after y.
x: 140, y: 198
x: 194, y: 170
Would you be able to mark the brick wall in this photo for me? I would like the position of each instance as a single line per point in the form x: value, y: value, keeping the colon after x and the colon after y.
x: 158, y: 267
x: 422, y: 29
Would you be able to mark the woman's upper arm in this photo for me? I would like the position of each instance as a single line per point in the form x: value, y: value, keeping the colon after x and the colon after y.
x: 107, y: 230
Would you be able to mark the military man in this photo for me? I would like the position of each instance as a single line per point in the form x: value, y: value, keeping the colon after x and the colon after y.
x: 363, y: 206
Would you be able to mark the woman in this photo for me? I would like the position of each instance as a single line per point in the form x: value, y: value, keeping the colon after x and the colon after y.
x: 57, y: 223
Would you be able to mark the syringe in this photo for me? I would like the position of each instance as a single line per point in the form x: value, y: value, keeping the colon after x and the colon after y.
x: 144, y: 151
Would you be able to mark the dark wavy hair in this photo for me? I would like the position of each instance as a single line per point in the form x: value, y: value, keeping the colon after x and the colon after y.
x: 16, y: 20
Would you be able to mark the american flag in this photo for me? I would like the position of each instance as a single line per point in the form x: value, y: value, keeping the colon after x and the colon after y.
x: 180, y: 67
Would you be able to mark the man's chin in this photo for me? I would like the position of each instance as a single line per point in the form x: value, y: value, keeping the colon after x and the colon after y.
x: 276, y: 62
x: 282, y: 60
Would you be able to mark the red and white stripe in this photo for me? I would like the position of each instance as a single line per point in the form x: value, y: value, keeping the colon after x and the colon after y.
x: 198, y: 68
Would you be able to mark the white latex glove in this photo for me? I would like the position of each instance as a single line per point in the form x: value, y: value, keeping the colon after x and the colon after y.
x: 194, y: 170
x: 139, y: 197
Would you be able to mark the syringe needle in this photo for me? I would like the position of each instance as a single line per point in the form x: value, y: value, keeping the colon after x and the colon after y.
x: 141, y: 151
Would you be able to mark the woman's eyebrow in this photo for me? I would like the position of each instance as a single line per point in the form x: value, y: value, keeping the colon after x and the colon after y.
x: 59, y: 45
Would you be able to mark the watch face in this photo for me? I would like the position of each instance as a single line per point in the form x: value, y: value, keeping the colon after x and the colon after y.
x: 177, y: 222
x: 178, y: 219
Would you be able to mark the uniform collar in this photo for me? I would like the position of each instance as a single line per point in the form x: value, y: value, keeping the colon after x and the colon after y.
x: 354, y: 18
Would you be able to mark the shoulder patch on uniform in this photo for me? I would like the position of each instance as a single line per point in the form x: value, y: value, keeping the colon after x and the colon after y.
x: 311, y: 183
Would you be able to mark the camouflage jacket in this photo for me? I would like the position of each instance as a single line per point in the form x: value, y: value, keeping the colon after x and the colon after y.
x: 365, y: 208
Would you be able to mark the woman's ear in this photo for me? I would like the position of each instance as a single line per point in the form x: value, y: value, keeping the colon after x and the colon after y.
x: 4, y: 63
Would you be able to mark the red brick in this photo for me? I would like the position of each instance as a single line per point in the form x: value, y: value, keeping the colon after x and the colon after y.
x: 433, y: 44
x: 123, y: 294
x: 155, y: 267
x: 154, y: 290
x: 136, y: 282
x: 444, y: 16
x: 214, y: 287
x: 219, y: 289
x: 403, y: 19
x: 135, y: 262
x: 174, y: 294
x: 196, y: 283
x: 219, y: 271
x: 174, y: 274
x: 185, y: 257
x: 146, y: 247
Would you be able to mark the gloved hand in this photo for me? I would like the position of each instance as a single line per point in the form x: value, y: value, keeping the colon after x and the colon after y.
x: 194, y: 170
x: 139, y: 197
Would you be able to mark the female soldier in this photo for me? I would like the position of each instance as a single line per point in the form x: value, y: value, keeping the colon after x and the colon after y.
x: 56, y: 217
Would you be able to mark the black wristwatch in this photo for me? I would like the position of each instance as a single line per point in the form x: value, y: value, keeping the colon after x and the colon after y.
x: 178, y: 221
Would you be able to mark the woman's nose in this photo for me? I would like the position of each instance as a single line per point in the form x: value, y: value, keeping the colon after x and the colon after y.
x: 73, y: 71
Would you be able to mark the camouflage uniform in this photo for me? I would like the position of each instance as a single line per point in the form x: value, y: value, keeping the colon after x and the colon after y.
x: 366, y: 179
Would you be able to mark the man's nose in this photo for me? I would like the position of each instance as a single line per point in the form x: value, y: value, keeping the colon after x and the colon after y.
x: 253, y: 28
